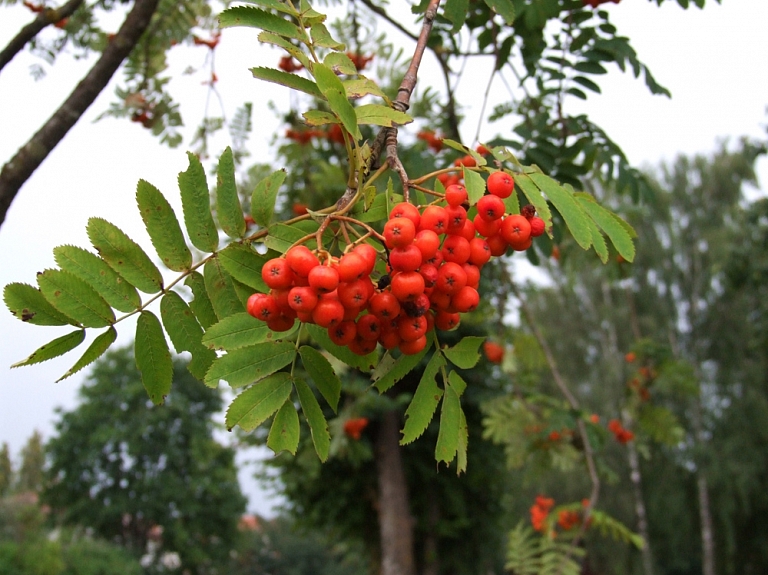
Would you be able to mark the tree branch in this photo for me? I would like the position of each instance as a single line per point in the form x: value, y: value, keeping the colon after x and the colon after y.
x: 33, y: 153
x: 27, y: 33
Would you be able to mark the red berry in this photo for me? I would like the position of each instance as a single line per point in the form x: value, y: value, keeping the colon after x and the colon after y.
x: 434, y: 218
x: 369, y: 327
x: 328, y: 312
x: 324, y: 279
x: 262, y: 306
x: 486, y: 228
x: 451, y: 278
x: 537, y: 226
x: 413, y: 347
x: 406, y: 210
x: 407, y: 285
x: 428, y: 243
x: 457, y: 217
x: 456, y: 249
x: 516, y: 230
x: 302, y: 298
x: 445, y: 321
x: 405, y: 259
x: 500, y: 184
x: 455, y: 195
x: 277, y: 274
x: 351, y: 266
x: 399, y: 232
x: 343, y: 333
x: 479, y: 252
x: 384, y: 305
x: 301, y: 260
x: 493, y: 351
x: 465, y: 300
x: 490, y: 207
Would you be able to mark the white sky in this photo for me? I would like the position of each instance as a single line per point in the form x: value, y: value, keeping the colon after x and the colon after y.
x: 714, y: 61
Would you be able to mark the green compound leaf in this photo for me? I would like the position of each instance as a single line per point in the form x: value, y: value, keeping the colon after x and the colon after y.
x: 220, y: 290
x: 362, y: 86
x: 163, y: 227
x: 379, y: 115
x: 201, y: 304
x: 258, y: 18
x: 318, y: 426
x: 456, y: 12
x: 95, y: 351
x: 228, y: 208
x: 319, y: 118
x: 396, y: 369
x: 293, y: 50
x: 613, y: 226
x: 248, y: 364
x: 277, y: 5
x: 288, y: 80
x: 450, y: 423
x: 124, y: 256
x: 96, y: 272
x: 333, y: 91
x: 75, y: 298
x: 236, y: 331
x: 465, y: 354
x: 244, y: 265
x: 340, y: 63
x: 257, y: 403
x: 196, y: 205
x: 424, y: 403
x: 285, y: 430
x: 475, y: 185
x: 504, y: 8
x: 264, y: 196
x: 322, y: 373
x: 565, y: 203
x: 282, y: 236
x: 153, y: 358
x: 322, y: 37
x: 461, y: 448
x: 363, y: 363
x: 55, y: 348
x: 537, y: 200
x: 28, y: 304
x: 598, y: 242
x: 185, y: 333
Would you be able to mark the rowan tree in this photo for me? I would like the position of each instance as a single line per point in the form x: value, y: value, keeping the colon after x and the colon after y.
x: 279, y: 302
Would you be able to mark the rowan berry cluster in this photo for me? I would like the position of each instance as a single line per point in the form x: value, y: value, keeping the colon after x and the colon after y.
x: 540, y: 511
x: 622, y: 435
x: 434, y: 258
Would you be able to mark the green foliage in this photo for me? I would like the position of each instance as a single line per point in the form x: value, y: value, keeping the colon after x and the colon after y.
x: 532, y: 553
x: 145, y: 465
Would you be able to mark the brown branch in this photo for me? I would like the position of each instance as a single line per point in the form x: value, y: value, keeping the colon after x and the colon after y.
x: 27, y: 33
x: 33, y: 153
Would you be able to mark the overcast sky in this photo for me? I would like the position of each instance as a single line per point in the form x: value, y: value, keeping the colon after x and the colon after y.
x: 714, y: 61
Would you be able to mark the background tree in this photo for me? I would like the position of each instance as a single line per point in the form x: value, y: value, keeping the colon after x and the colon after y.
x: 140, y: 46
x: 134, y: 473
x: 30, y: 476
x: 6, y: 470
x: 656, y: 390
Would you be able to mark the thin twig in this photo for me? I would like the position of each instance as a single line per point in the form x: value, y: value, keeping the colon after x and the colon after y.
x: 589, y: 455
x: 27, y: 33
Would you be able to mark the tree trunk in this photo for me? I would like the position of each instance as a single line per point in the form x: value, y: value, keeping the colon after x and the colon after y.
x: 702, y: 487
x: 33, y: 153
x: 395, y: 522
x: 642, y: 517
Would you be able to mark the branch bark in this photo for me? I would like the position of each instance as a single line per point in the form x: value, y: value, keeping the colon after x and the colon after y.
x: 395, y: 523
x: 27, y: 33
x: 18, y: 170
